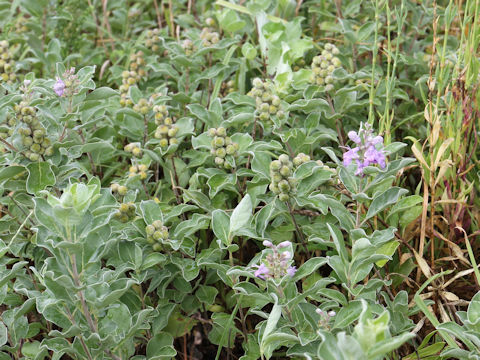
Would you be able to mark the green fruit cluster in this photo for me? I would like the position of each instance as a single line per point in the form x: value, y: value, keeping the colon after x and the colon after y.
x: 222, y: 146
x: 21, y: 24
x: 7, y: 128
x: 188, y: 46
x: 142, y: 107
x: 141, y: 170
x: 209, y: 37
x: 323, y: 66
x: 120, y: 189
x: 134, y: 149
x: 7, y: 64
x: 166, y: 130
x: 131, y: 77
x: 157, y: 234
x: 32, y: 132
x: 299, y: 64
x: 227, y: 88
x: 300, y: 159
x: 125, y: 212
x: 282, y: 182
x: 153, y: 39
x: 267, y: 102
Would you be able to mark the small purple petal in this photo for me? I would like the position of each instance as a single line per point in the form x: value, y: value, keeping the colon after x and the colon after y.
x: 291, y: 271
x: 261, y: 271
x: 360, y: 167
x: 350, y: 155
x: 267, y: 243
x: 352, y: 135
x: 59, y: 87
x: 377, y: 140
x: 283, y: 244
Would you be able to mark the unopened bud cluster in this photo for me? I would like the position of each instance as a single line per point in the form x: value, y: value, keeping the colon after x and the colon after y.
x: 209, y: 37
x: 7, y: 128
x: 277, y: 262
x: 153, y: 39
x: 325, y: 318
x: 140, y: 170
x: 7, y: 64
x: 282, y: 183
x: 142, y: 107
x: 125, y: 212
x: 267, y: 102
x: 300, y: 159
x: 157, y: 234
x: 131, y: 77
x: 119, y: 189
x: 188, y: 47
x: 323, y: 66
x: 227, y: 88
x: 166, y: 130
x: 299, y: 64
x: 21, y: 24
x: 134, y: 149
x: 222, y: 146
x: 32, y: 131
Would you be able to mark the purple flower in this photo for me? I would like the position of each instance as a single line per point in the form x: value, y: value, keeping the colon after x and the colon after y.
x: 352, y: 135
x: 368, y: 152
x: 59, y: 87
x: 261, y: 271
x: 374, y: 156
x: 283, y: 244
x: 291, y: 271
x: 377, y: 140
x: 350, y: 155
x: 267, y: 243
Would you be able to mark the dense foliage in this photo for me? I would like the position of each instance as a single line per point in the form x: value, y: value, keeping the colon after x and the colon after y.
x: 239, y: 179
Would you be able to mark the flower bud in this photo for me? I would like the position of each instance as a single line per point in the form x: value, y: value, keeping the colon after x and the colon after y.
x: 283, y: 244
x: 267, y: 243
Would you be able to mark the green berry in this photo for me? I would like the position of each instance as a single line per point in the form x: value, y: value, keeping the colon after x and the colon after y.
x: 276, y: 177
x: 275, y: 165
x: 284, y: 159
x: 285, y: 170
x: 221, y: 152
x: 230, y: 149
x: 219, y: 141
x: 163, y: 143
x: 49, y: 151
x: 264, y: 116
x: 219, y: 161
x: 284, y: 186
x: 172, y: 132
x: 150, y: 229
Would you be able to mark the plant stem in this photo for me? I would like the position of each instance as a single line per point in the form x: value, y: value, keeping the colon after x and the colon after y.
x: 297, y: 228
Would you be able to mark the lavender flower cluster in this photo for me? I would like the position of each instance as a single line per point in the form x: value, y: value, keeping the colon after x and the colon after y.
x: 68, y: 85
x: 369, y: 149
x: 276, y: 263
